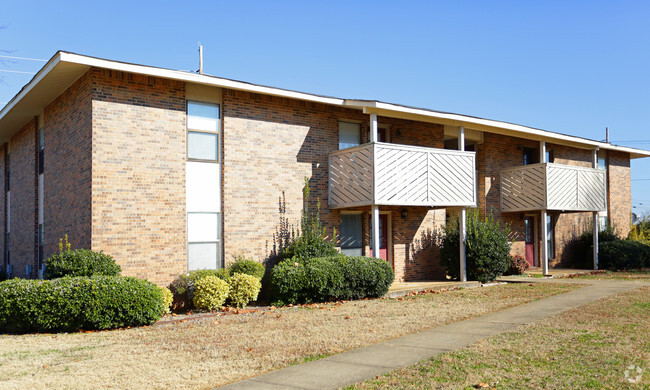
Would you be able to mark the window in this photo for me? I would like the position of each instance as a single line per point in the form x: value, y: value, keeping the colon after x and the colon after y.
x: 203, y: 240
x: 203, y: 186
x: 203, y: 131
x: 41, y: 151
x: 550, y: 247
x: 351, y: 233
x: 549, y: 156
x: 349, y: 135
x: 602, y: 163
x: 531, y: 156
x: 40, y: 246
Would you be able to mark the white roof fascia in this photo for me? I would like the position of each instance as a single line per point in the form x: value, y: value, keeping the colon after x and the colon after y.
x: 368, y: 106
x: 196, y: 78
x: 37, y: 78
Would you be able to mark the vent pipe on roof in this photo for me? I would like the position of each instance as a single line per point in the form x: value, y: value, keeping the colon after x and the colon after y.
x: 607, y: 134
x: 200, y: 58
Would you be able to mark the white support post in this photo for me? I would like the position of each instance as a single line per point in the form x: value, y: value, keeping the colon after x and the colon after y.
x: 463, y: 214
x: 544, y: 244
x: 594, y: 164
x: 374, y: 128
x: 375, y: 231
x: 542, y: 152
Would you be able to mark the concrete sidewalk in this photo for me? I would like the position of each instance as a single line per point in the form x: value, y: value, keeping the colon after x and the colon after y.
x: 367, y: 362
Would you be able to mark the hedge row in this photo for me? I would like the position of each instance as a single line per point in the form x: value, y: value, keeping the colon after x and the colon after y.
x: 329, y: 278
x: 73, y: 303
x: 80, y: 262
x: 623, y: 255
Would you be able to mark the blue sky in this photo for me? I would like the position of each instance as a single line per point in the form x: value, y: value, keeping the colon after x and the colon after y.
x: 573, y: 67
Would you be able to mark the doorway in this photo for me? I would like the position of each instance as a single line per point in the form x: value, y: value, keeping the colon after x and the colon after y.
x: 385, y: 241
x: 531, y: 240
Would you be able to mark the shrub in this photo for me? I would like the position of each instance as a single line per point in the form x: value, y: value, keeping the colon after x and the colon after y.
x: 80, y: 262
x: 210, y: 293
x: 73, y: 303
x: 324, y: 279
x: 183, y: 286
x: 246, y: 266
x: 311, y: 240
x: 518, y: 265
x: 364, y: 277
x: 167, y: 300
x: 487, y: 251
x: 243, y: 289
x: 623, y: 255
x: 578, y: 250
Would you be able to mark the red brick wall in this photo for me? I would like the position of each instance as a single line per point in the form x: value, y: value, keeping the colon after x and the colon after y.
x: 23, y: 198
x: 138, y: 169
x: 619, y: 191
x: 67, y: 168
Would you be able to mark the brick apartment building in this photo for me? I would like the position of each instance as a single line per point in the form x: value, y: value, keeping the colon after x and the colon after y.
x: 170, y: 171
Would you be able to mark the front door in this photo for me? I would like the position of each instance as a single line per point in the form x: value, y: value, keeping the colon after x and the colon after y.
x: 383, y: 236
x: 530, y: 240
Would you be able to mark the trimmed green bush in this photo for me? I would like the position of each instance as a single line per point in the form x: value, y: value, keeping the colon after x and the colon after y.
x: 329, y: 278
x: 623, y: 255
x: 183, y: 286
x: 210, y: 293
x: 364, y: 277
x: 246, y: 266
x: 243, y: 289
x: 518, y: 265
x: 80, y: 262
x: 578, y: 250
x: 487, y: 248
x: 73, y: 303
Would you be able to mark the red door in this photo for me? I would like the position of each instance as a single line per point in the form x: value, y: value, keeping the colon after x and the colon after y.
x: 530, y: 240
x: 383, y: 236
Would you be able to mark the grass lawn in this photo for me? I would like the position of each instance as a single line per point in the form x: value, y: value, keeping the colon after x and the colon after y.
x: 217, y: 350
x: 589, y: 347
x: 643, y: 274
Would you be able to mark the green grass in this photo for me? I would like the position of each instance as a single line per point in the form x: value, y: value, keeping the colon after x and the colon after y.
x: 589, y: 347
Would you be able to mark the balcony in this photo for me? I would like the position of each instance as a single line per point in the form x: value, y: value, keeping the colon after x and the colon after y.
x: 399, y: 175
x: 553, y: 187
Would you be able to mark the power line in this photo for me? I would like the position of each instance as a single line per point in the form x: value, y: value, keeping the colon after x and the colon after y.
x: 23, y: 58
x: 16, y: 71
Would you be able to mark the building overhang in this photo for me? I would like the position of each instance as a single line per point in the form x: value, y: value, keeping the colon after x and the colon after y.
x: 64, y: 68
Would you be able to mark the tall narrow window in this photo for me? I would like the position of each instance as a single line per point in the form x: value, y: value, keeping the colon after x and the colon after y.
x: 203, y: 186
x: 8, y: 268
x: 351, y: 233
x: 550, y: 247
x: 349, y: 135
x: 41, y: 170
x: 603, y: 220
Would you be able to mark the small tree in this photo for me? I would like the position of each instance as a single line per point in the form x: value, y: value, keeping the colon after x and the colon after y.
x: 487, y: 251
x: 311, y: 240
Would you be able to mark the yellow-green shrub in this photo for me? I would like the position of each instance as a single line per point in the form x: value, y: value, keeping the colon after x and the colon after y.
x: 243, y: 289
x: 210, y: 293
x: 167, y: 299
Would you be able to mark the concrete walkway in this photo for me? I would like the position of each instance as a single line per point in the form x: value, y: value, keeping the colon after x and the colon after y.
x: 367, y: 362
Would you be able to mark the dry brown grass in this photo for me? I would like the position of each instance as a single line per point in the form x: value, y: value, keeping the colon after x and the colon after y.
x: 216, y: 350
x: 589, y: 347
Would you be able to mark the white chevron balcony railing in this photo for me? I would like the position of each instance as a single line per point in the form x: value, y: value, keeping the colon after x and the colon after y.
x: 391, y: 174
x: 550, y: 186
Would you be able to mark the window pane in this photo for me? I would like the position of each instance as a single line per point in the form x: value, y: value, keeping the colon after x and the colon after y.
x: 202, y: 146
x: 349, y: 135
x: 202, y: 256
x: 202, y: 227
x: 202, y: 116
x: 602, y: 163
x: 351, y: 231
x: 203, y: 185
